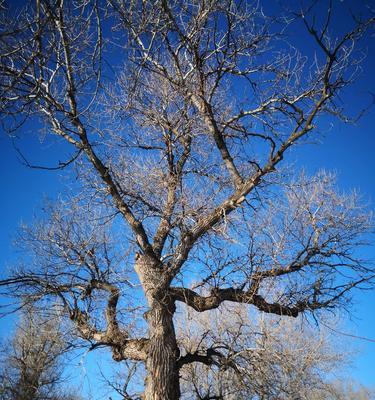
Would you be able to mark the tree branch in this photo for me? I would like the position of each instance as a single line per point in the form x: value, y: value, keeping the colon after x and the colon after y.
x: 203, y: 303
x: 85, y: 145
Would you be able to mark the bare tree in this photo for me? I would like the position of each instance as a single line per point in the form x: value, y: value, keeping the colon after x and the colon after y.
x: 32, y: 365
x: 179, y: 114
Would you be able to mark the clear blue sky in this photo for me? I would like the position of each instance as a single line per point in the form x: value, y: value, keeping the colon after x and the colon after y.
x: 347, y: 149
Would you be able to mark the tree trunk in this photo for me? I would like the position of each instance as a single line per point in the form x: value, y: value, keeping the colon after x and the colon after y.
x: 162, y: 380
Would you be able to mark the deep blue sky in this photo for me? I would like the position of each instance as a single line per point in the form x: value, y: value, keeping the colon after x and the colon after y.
x: 348, y: 149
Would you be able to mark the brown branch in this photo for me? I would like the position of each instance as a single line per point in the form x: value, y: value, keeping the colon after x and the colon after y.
x: 174, y: 180
x: 122, y: 347
x: 207, y: 359
x: 206, y: 109
x: 85, y: 145
x: 131, y: 349
x: 110, y: 312
x: 203, y: 303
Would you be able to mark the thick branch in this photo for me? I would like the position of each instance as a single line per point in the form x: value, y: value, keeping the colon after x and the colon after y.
x: 218, y: 296
x: 122, y: 347
x: 207, y: 358
x: 131, y: 349
x: 110, y: 312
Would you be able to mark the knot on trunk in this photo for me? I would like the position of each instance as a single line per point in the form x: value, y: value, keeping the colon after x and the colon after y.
x: 117, y: 353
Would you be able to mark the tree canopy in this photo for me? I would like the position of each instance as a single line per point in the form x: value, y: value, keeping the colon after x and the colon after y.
x: 179, y: 115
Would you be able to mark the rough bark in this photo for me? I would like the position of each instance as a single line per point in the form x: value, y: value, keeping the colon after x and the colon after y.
x: 162, y: 380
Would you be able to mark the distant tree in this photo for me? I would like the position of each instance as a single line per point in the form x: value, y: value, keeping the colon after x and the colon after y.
x: 178, y: 115
x: 31, y: 364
